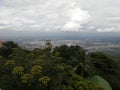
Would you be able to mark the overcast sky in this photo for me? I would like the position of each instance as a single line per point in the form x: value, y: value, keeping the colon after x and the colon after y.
x: 60, y: 15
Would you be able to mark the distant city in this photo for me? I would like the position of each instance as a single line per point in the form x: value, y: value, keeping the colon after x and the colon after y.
x: 108, y: 47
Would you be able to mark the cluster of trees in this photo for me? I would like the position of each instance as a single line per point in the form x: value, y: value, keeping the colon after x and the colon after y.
x: 61, y: 68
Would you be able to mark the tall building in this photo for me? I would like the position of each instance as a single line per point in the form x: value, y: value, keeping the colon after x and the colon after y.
x: 0, y: 42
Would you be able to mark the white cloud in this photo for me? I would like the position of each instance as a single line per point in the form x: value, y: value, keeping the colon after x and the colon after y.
x: 111, y: 29
x: 62, y: 15
x: 77, y: 17
x: 42, y: 15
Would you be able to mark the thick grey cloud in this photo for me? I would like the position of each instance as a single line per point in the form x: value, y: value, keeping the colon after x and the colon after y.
x: 105, y: 14
x: 42, y: 15
x: 60, y: 15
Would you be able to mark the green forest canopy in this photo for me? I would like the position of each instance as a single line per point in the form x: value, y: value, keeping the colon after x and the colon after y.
x: 61, y: 68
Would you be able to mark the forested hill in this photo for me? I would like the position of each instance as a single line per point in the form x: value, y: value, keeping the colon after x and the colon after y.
x: 61, y: 68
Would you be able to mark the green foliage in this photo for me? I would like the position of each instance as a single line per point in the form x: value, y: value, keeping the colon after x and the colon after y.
x: 61, y: 68
x: 107, y: 67
x: 10, y: 63
x: 26, y: 78
x: 36, y: 70
x: 71, y: 55
x: 6, y: 50
x: 100, y: 81
x: 10, y: 44
x: 18, y: 70
x: 1, y: 58
x: 44, y: 80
